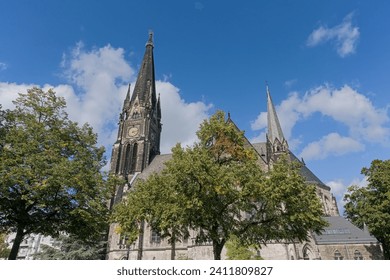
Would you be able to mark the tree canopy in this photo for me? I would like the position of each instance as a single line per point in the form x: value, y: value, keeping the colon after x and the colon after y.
x: 50, y: 171
x: 370, y: 205
x: 69, y: 247
x: 217, y: 190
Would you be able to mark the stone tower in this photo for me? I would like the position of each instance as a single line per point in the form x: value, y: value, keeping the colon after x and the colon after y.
x: 139, y: 131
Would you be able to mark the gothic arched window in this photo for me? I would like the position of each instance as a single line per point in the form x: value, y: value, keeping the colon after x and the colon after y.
x: 307, y: 254
x: 133, y: 163
x: 127, y: 160
x: 118, y: 160
x: 337, y: 255
x: 357, y: 255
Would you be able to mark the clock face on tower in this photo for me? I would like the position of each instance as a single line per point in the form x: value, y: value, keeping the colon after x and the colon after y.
x: 133, y: 131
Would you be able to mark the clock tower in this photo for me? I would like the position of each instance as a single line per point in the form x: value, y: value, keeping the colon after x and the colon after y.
x: 138, y: 139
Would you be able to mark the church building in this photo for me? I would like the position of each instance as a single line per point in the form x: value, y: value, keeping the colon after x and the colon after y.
x: 136, y: 155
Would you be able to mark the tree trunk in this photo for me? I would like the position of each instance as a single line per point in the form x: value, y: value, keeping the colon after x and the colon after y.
x: 217, y: 249
x: 141, y: 241
x: 15, y: 247
x: 385, y: 247
x: 173, y: 245
x: 386, y: 250
x: 173, y: 250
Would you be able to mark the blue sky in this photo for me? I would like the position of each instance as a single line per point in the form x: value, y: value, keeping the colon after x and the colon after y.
x: 327, y: 64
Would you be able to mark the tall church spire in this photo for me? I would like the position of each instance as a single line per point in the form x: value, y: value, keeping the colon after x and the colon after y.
x: 139, y: 129
x: 275, y: 138
x: 145, y: 88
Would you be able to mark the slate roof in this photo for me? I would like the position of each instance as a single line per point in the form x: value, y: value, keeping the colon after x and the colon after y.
x: 261, y: 148
x: 308, y: 174
x: 156, y: 166
x: 342, y: 231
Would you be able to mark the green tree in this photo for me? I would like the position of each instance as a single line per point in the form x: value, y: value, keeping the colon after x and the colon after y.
x: 4, y: 251
x: 370, y: 205
x: 160, y: 204
x: 70, y: 247
x: 235, y: 251
x: 50, y: 172
x: 217, y: 189
x: 3, y: 128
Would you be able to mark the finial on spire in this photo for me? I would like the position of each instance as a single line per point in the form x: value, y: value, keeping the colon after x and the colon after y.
x: 267, y: 87
x: 150, y: 40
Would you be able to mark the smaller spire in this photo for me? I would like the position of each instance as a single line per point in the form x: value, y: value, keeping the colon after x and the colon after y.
x: 150, y: 40
x: 126, y: 102
x: 274, y: 128
x: 127, y: 99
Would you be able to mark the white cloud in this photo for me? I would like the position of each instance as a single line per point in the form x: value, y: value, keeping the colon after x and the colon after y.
x: 101, y: 78
x: 9, y: 91
x: 289, y: 113
x: 290, y: 83
x: 260, y: 122
x: 339, y: 189
x: 97, y: 87
x: 351, y: 108
x: 364, y: 122
x: 3, y: 66
x: 180, y: 120
x: 344, y: 36
x: 331, y: 144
